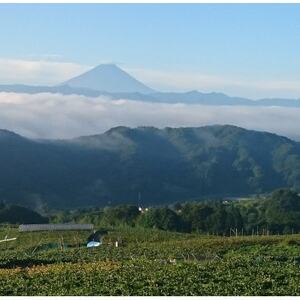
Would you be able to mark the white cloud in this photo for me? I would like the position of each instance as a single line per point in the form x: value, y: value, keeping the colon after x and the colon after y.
x: 57, y: 116
x: 243, y: 87
x: 37, y: 72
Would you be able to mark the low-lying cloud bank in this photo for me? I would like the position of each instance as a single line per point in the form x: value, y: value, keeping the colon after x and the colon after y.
x: 57, y: 116
x: 38, y: 72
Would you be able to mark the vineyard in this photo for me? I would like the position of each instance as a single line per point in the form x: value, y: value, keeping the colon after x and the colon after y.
x: 149, y: 262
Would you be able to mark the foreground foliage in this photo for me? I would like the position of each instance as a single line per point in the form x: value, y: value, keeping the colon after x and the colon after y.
x: 151, y: 262
x: 238, y: 276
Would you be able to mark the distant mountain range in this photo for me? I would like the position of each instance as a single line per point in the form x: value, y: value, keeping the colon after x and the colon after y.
x: 145, y: 166
x: 109, y: 80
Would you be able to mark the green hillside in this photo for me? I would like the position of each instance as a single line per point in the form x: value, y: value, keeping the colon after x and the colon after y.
x: 145, y: 166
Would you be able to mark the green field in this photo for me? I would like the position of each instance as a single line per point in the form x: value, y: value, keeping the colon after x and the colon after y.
x: 149, y: 262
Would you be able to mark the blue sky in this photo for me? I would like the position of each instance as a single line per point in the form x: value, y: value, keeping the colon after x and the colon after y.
x: 241, y: 49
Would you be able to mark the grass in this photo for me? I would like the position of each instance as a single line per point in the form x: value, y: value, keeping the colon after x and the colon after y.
x: 149, y: 262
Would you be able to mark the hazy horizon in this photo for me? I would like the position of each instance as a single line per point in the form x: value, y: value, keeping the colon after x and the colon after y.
x: 248, y: 50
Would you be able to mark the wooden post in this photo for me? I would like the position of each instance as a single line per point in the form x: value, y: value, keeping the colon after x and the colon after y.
x: 62, y: 243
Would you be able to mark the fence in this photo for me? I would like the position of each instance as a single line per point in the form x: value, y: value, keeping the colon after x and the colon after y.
x: 54, y: 227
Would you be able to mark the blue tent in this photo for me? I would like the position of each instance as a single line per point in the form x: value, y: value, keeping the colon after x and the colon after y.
x: 94, y: 240
x: 93, y: 244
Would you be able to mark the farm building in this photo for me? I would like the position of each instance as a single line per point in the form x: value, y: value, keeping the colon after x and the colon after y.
x: 54, y: 227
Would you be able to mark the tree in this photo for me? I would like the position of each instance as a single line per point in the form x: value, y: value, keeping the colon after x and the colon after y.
x: 161, y: 218
x: 283, y: 211
x: 122, y: 214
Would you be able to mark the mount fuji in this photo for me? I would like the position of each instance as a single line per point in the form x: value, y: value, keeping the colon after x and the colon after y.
x: 108, y: 78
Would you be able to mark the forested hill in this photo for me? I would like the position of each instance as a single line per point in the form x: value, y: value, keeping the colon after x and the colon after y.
x: 145, y: 166
x: 13, y: 214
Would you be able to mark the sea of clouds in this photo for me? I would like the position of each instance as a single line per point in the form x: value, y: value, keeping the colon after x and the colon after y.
x: 56, y: 116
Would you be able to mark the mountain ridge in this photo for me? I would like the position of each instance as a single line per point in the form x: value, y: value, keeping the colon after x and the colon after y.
x: 192, y: 97
x: 116, y: 84
x: 163, y: 165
